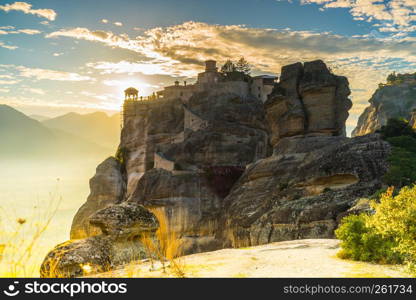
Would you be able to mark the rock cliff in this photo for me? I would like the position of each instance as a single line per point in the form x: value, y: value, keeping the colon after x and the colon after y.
x: 228, y: 170
x: 395, y: 100
x: 309, y: 100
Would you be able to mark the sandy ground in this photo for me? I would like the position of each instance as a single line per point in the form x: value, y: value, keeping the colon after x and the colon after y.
x: 299, y: 258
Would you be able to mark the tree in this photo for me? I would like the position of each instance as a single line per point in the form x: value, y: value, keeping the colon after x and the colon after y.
x: 228, y: 67
x: 392, y: 77
x: 243, y: 66
x: 397, y: 127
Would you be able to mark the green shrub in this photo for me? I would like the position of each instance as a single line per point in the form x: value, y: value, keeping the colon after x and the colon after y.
x: 395, y: 217
x: 397, y: 127
x: 403, y: 141
x: 388, y: 235
x: 359, y: 241
x: 402, y: 170
x: 121, y: 155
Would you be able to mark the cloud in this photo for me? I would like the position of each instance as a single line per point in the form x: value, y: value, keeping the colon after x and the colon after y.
x: 118, y: 83
x: 25, y: 7
x: 29, y: 31
x: 106, y: 37
x: 105, y: 21
x: 3, y: 45
x: 4, y: 76
x: 35, y: 91
x: 10, y: 30
x: 152, y: 67
x: 9, y: 82
x: 45, y: 74
x: 3, y: 90
x: 181, y: 49
x: 56, y: 54
x: 397, y: 14
x: 118, y: 24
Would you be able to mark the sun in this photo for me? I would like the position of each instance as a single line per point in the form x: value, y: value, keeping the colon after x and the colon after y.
x: 119, y: 85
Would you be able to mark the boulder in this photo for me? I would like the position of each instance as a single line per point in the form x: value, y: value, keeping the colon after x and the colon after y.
x: 124, y: 220
x: 122, y: 227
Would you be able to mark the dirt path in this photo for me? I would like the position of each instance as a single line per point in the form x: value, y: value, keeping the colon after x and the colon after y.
x: 299, y: 258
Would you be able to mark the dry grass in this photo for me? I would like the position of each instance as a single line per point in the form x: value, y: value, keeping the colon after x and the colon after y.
x: 20, y: 239
x: 165, y: 246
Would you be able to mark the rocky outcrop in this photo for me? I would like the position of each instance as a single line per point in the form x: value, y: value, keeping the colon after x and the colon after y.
x: 301, y: 189
x: 308, y: 100
x: 108, y: 186
x: 227, y: 170
x: 388, y: 101
x: 121, y: 227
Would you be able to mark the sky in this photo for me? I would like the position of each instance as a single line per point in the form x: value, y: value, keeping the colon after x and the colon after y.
x: 58, y: 56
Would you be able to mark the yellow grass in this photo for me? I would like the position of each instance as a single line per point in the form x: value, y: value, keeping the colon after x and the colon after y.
x: 20, y: 239
x: 166, y: 247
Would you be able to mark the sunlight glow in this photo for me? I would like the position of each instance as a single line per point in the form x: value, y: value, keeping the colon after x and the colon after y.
x: 145, y: 89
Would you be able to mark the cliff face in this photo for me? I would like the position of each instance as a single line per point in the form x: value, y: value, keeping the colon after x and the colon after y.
x: 183, y: 158
x: 229, y: 171
x: 303, y: 189
x: 390, y: 101
x: 315, y: 173
x: 308, y: 100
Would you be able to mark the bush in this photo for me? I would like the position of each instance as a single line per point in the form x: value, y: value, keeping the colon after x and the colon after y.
x: 395, y: 217
x: 397, y: 127
x: 404, y: 142
x: 387, y: 236
x: 402, y: 169
x: 402, y: 137
x: 359, y: 241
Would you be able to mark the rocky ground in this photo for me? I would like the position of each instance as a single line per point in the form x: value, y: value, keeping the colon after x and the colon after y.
x: 299, y: 258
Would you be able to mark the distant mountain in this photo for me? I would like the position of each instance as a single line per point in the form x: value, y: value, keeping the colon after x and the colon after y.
x: 96, y: 127
x: 39, y: 118
x: 21, y: 135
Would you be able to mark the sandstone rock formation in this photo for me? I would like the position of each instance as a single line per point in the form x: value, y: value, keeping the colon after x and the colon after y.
x: 227, y: 170
x: 388, y: 101
x: 108, y: 186
x: 300, y: 190
x: 308, y: 100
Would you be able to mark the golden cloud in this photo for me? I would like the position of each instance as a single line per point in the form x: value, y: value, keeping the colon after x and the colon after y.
x: 42, y: 74
x: 25, y: 7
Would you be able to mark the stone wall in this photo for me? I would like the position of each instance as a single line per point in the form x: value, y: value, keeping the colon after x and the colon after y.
x: 193, y: 121
x: 260, y: 90
x: 162, y: 162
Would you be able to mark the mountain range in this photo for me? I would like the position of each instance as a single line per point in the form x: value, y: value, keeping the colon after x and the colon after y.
x: 68, y: 135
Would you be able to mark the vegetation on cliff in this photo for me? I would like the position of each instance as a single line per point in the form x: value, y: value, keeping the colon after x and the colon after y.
x: 388, y: 235
x: 402, y: 159
x: 394, y: 78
